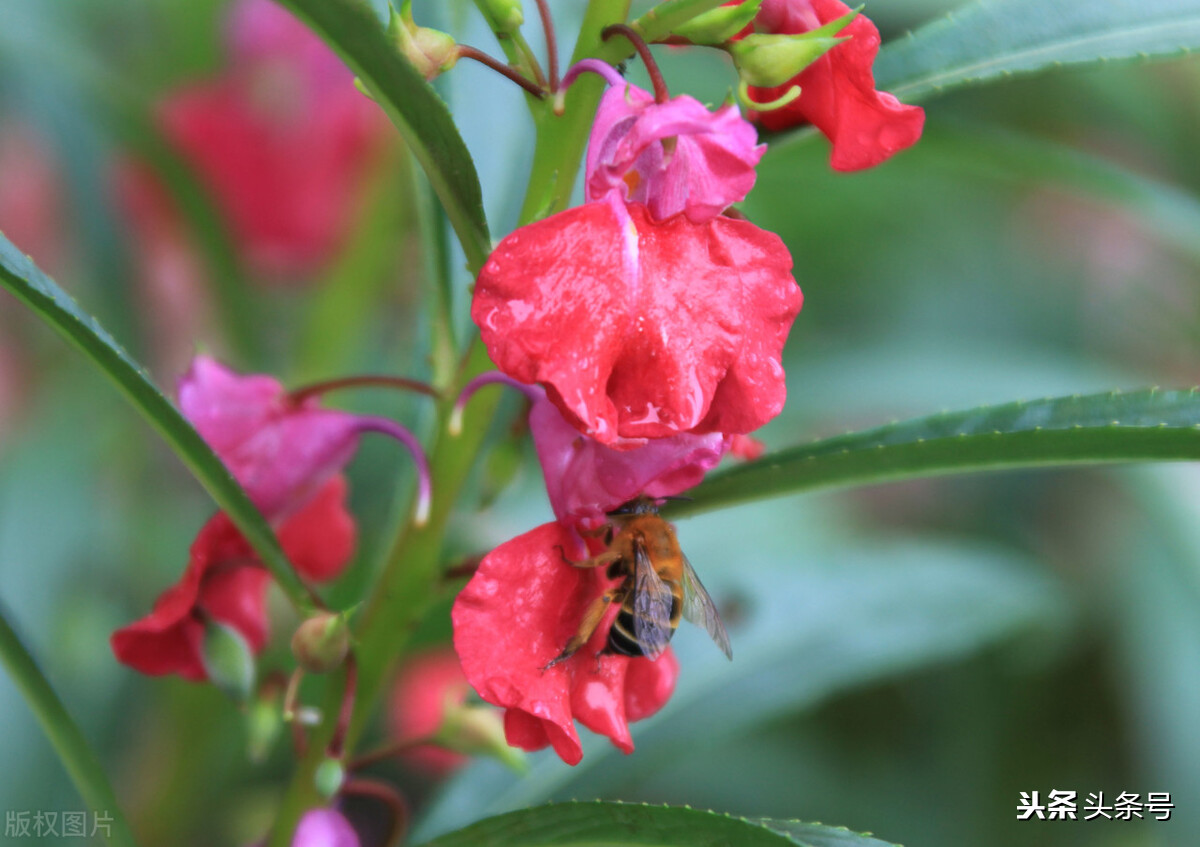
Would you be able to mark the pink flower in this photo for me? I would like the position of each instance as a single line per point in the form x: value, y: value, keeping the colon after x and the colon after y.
x: 640, y: 328
x: 424, y: 689
x: 513, y: 618
x: 279, y: 450
x: 837, y: 92
x: 324, y: 828
x: 671, y: 157
x: 586, y: 479
x: 225, y: 582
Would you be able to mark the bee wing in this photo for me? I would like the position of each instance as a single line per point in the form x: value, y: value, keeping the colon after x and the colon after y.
x: 652, y: 601
x: 699, y: 609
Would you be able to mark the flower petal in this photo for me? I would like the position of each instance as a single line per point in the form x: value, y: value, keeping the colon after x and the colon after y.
x: 672, y: 157
x: 324, y: 828
x: 638, y: 328
x: 319, y: 538
x: 281, y: 452
x: 837, y: 92
x: 515, y: 615
x: 586, y: 479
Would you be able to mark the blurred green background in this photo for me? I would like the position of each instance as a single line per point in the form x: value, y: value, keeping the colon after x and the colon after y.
x: 910, y: 657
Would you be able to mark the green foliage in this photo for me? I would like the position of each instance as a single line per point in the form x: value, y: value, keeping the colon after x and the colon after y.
x: 993, y: 39
x: 577, y: 824
x: 1112, y: 427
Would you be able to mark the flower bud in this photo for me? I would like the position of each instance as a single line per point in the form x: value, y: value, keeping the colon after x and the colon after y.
x: 476, y: 730
x: 264, y: 722
x: 765, y: 60
x: 717, y: 26
x: 321, y: 643
x: 430, y: 51
x: 329, y: 778
x: 228, y: 660
x: 505, y: 15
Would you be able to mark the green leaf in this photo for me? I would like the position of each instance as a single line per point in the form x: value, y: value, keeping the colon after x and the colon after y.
x: 995, y: 39
x: 806, y: 631
x: 410, y: 102
x: 53, y: 305
x: 600, y: 824
x: 1113, y: 427
x: 62, y: 731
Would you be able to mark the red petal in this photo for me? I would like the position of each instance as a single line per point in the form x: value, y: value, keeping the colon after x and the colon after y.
x: 649, y: 685
x: 236, y: 595
x: 642, y: 329
x: 514, y: 616
x: 319, y: 538
x: 838, y: 95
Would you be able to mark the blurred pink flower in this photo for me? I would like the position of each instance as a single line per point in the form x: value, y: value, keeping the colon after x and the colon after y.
x: 423, y: 690
x: 31, y: 196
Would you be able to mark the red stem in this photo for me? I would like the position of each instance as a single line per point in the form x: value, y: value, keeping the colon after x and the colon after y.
x: 551, y: 44
x: 338, y: 741
x: 465, y: 52
x: 384, y: 753
x: 661, y: 95
x: 387, y: 795
x: 303, y: 393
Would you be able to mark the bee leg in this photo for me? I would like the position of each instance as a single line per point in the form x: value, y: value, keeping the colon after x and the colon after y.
x: 605, y: 558
x: 591, y: 620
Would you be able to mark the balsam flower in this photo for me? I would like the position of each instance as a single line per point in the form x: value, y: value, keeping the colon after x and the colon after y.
x: 674, y: 156
x: 837, y: 92
x: 224, y: 582
x: 513, y: 618
x: 639, y: 328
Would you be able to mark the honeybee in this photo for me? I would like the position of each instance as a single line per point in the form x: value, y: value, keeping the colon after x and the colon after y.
x: 658, y: 587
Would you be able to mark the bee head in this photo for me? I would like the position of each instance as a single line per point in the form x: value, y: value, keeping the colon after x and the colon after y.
x: 641, y: 506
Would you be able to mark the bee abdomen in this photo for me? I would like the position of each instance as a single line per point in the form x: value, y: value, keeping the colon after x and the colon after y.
x: 622, y: 638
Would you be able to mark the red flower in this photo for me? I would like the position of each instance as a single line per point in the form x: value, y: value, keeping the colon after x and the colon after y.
x: 515, y: 616
x: 639, y: 328
x: 837, y: 92
x: 282, y: 139
x: 424, y: 689
x: 225, y: 581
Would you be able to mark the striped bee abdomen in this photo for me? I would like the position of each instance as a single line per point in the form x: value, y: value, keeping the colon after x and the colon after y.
x: 622, y: 639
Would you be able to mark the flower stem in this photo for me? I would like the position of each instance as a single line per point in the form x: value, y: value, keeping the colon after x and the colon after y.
x: 551, y: 43
x: 384, y: 753
x: 72, y: 748
x: 387, y: 795
x: 317, y: 388
x: 465, y: 52
x: 661, y: 94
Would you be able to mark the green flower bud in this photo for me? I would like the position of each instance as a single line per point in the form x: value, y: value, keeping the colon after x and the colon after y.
x: 228, y: 661
x: 717, y: 26
x: 505, y: 15
x: 476, y: 730
x: 766, y: 60
x: 430, y: 51
x: 329, y: 777
x: 321, y: 643
x: 264, y: 722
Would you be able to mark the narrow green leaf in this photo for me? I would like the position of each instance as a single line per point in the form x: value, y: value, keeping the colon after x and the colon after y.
x: 1112, y: 427
x: 352, y: 29
x: 53, y: 305
x: 600, y: 824
x: 62, y: 731
x: 993, y: 39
